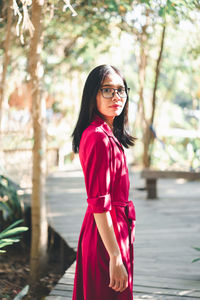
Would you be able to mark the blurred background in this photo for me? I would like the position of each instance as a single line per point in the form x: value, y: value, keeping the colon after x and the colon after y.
x: 154, y: 43
x: 47, y: 49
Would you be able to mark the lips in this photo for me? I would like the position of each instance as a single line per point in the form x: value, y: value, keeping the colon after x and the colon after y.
x: 115, y: 106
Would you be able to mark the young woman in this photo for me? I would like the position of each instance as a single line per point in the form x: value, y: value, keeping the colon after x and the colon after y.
x: 104, y: 265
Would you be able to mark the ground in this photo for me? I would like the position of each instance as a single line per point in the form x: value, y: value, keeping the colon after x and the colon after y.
x: 14, y: 271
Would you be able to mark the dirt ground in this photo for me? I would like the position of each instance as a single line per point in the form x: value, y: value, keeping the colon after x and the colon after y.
x: 15, y: 269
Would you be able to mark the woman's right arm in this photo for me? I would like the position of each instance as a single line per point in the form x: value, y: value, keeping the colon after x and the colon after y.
x: 118, y: 273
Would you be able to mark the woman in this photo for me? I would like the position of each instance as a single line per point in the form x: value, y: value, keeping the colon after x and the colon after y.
x: 104, y: 265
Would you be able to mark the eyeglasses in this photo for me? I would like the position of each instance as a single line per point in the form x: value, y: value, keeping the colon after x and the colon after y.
x: 109, y: 92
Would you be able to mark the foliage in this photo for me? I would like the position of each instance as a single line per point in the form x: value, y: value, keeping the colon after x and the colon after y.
x: 10, y: 234
x: 196, y: 259
x: 74, y: 45
x: 10, y: 203
x: 87, y: 35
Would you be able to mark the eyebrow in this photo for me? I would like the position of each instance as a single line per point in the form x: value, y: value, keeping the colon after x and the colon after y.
x: 113, y: 85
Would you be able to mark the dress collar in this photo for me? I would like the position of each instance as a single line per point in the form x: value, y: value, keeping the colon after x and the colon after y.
x: 98, y: 121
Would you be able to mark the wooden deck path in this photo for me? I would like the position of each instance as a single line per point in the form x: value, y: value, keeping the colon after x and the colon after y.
x: 166, y: 230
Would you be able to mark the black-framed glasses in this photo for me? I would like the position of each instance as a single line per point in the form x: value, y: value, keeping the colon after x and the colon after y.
x: 108, y: 92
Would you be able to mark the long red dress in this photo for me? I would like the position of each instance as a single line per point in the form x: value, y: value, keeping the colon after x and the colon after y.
x: 107, y: 184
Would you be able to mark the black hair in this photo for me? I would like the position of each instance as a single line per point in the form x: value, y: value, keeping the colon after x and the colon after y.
x: 89, y: 108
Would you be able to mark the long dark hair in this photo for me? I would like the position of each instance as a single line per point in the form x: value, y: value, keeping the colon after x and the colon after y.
x: 89, y: 108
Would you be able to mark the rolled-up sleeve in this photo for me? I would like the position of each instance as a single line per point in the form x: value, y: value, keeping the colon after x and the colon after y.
x: 97, y: 172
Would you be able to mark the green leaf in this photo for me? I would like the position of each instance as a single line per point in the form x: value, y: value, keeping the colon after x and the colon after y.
x: 146, y: 2
x: 196, y: 248
x: 3, y: 181
x: 13, y: 225
x: 196, y: 259
x: 5, y: 207
x: 5, y: 244
x: 13, y: 231
x: 10, y: 240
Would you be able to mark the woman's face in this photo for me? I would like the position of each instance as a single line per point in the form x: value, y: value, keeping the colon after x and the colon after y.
x: 113, y: 106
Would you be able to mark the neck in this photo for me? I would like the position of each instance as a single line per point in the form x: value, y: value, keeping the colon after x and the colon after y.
x: 109, y: 121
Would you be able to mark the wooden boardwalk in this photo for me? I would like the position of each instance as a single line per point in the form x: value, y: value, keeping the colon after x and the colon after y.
x: 166, y: 230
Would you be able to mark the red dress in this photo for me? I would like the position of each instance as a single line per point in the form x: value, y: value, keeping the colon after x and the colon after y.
x: 107, y: 184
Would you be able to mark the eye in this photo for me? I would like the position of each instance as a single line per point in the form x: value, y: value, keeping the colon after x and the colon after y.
x: 121, y: 90
x: 107, y: 90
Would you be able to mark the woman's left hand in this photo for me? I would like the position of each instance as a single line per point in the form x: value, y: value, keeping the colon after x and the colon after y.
x: 118, y: 274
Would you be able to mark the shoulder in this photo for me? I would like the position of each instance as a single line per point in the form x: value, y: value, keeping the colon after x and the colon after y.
x: 94, y: 134
x: 94, y: 139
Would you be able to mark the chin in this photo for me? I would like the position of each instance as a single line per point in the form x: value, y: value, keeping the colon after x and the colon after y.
x: 117, y: 113
x: 113, y: 115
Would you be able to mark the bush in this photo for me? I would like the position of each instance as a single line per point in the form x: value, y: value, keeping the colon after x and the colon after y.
x: 11, y: 207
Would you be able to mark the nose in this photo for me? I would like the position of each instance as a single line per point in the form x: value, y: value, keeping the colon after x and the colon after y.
x: 116, y: 96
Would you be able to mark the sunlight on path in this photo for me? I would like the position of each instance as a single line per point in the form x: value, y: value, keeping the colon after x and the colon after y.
x: 166, y: 230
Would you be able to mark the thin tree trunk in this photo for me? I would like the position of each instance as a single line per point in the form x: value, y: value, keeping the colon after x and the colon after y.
x: 146, y: 156
x: 157, y: 73
x: 141, y: 119
x: 149, y: 135
x: 142, y: 75
x: 141, y: 105
x: 6, y: 58
x: 39, y: 218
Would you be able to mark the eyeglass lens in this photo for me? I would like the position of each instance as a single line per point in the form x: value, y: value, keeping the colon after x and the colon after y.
x: 109, y: 92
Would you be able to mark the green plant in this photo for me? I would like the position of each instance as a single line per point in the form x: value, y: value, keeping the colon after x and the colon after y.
x: 198, y: 258
x: 10, y: 204
x: 10, y: 235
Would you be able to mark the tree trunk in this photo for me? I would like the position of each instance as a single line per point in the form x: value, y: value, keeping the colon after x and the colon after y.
x: 142, y: 75
x: 157, y: 73
x: 3, y: 78
x: 148, y: 135
x: 39, y: 219
x: 146, y: 139
x: 141, y: 119
x: 141, y: 104
x: 6, y: 57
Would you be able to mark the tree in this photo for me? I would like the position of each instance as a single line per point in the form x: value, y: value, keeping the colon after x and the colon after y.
x: 35, y: 69
x: 147, y: 22
x: 148, y: 137
x: 39, y: 219
x: 6, y: 59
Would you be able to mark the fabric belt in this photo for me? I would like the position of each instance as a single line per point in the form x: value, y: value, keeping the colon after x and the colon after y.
x: 130, y: 212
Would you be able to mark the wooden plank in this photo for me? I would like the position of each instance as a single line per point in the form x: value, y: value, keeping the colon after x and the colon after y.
x: 53, y: 297
x: 61, y: 293
x: 166, y: 282
x: 141, y: 296
x: 64, y: 287
x: 166, y: 291
x: 147, y: 173
x: 67, y: 280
